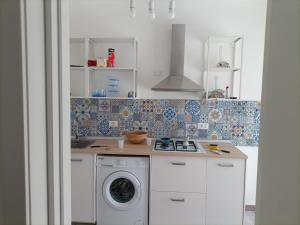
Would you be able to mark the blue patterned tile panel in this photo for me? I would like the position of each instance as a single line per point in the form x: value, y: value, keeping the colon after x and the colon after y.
x: 237, y: 121
x: 169, y: 113
x: 192, y: 107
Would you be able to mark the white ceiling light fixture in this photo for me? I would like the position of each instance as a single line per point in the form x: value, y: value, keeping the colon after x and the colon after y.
x: 172, y: 9
x: 132, y: 8
x: 151, y: 9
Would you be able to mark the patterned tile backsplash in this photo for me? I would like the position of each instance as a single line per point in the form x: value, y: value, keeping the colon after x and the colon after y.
x: 233, y: 120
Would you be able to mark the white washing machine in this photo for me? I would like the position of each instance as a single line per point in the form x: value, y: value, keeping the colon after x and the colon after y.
x: 122, y: 190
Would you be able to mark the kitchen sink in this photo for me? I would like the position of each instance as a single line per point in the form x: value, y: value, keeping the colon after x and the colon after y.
x: 81, y: 143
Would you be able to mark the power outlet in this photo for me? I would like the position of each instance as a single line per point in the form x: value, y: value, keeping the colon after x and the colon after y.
x: 113, y: 124
x: 203, y: 126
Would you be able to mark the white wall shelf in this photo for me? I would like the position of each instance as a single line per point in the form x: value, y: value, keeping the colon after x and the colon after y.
x: 86, y: 79
x: 113, y: 40
x: 112, y: 68
x: 221, y: 70
x: 228, y: 49
x: 77, y: 68
x: 103, y: 97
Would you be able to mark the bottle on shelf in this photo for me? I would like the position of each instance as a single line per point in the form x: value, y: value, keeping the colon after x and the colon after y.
x: 111, y: 57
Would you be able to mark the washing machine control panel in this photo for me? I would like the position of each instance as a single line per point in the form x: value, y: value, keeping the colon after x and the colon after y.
x: 122, y: 162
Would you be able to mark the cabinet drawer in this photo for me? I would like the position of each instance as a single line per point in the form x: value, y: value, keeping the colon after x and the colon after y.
x: 225, y: 191
x: 178, y: 174
x: 170, y: 208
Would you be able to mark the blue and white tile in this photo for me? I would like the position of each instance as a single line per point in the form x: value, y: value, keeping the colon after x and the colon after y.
x: 103, y: 127
x: 104, y: 105
x: 192, y: 107
x: 192, y: 130
x: 215, y: 115
x: 169, y: 114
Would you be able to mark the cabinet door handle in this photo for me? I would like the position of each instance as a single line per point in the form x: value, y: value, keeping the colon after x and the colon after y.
x: 178, y: 163
x: 76, y: 160
x: 177, y: 199
x: 225, y: 165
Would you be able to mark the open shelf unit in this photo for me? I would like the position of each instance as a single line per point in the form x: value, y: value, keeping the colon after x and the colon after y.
x: 228, y: 49
x: 85, y: 79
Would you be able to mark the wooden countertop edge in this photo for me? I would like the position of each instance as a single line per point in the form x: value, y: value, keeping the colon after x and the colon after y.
x: 146, y: 150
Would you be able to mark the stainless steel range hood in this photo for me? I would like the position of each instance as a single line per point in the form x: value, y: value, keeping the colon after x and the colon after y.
x: 176, y: 81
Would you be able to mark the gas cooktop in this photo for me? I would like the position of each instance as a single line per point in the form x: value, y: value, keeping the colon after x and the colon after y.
x: 177, y: 145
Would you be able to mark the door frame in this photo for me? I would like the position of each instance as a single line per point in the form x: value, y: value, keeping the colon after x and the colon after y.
x: 58, y: 111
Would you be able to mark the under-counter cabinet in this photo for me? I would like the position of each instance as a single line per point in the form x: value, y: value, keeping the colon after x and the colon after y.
x: 196, y: 191
x: 83, y: 175
x: 178, y: 190
x: 225, y: 191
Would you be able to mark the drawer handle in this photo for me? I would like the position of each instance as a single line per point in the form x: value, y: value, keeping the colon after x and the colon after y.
x: 178, y: 163
x: 177, y: 199
x: 76, y: 160
x: 225, y: 165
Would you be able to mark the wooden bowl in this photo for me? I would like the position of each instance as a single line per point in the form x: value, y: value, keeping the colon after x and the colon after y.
x: 136, y: 137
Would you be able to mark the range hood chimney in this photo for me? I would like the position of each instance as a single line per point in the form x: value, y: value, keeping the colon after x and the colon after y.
x: 176, y: 81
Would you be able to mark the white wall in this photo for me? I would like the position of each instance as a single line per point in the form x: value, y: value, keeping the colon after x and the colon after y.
x: 278, y: 200
x: 203, y: 18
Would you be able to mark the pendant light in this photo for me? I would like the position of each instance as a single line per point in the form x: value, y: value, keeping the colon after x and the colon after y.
x: 132, y: 9
x: 151, y: 9
x: 172, y: 9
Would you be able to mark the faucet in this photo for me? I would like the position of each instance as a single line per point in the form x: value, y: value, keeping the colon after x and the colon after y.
x: 186, y: 141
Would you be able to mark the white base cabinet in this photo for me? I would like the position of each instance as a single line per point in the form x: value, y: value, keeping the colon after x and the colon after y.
x: 178, y: 174
x: 83, y: 175
x: 196, y: 191
x: 225, y: 191
x: 171, y: 208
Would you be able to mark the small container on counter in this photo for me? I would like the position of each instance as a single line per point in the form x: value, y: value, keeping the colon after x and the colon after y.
x: 121, y: 143
x: 92, y: 62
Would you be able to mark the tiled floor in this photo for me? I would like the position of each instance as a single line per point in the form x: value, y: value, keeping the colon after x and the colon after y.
x: 249, y: 218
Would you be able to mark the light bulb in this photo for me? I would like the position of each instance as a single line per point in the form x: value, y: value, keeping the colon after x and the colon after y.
x: 132, y: 9
x: 152, y: 15
x: 152, y: 9
x: 172, y: 9
x: 132, y: 13
x: 171, y: 15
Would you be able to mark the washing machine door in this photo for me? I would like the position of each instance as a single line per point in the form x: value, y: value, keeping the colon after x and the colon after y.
x: 121, y: 190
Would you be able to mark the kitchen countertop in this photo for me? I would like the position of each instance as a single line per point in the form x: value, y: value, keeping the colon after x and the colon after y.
x: 147, y: 150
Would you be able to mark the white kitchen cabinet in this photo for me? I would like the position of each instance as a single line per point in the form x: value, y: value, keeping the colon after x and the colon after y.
x: 172, y: 208
x: 178, y: 190
x: 83, y: 170
x: 225, y: 191
x: 196, y: 191
x: 178, y: 174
